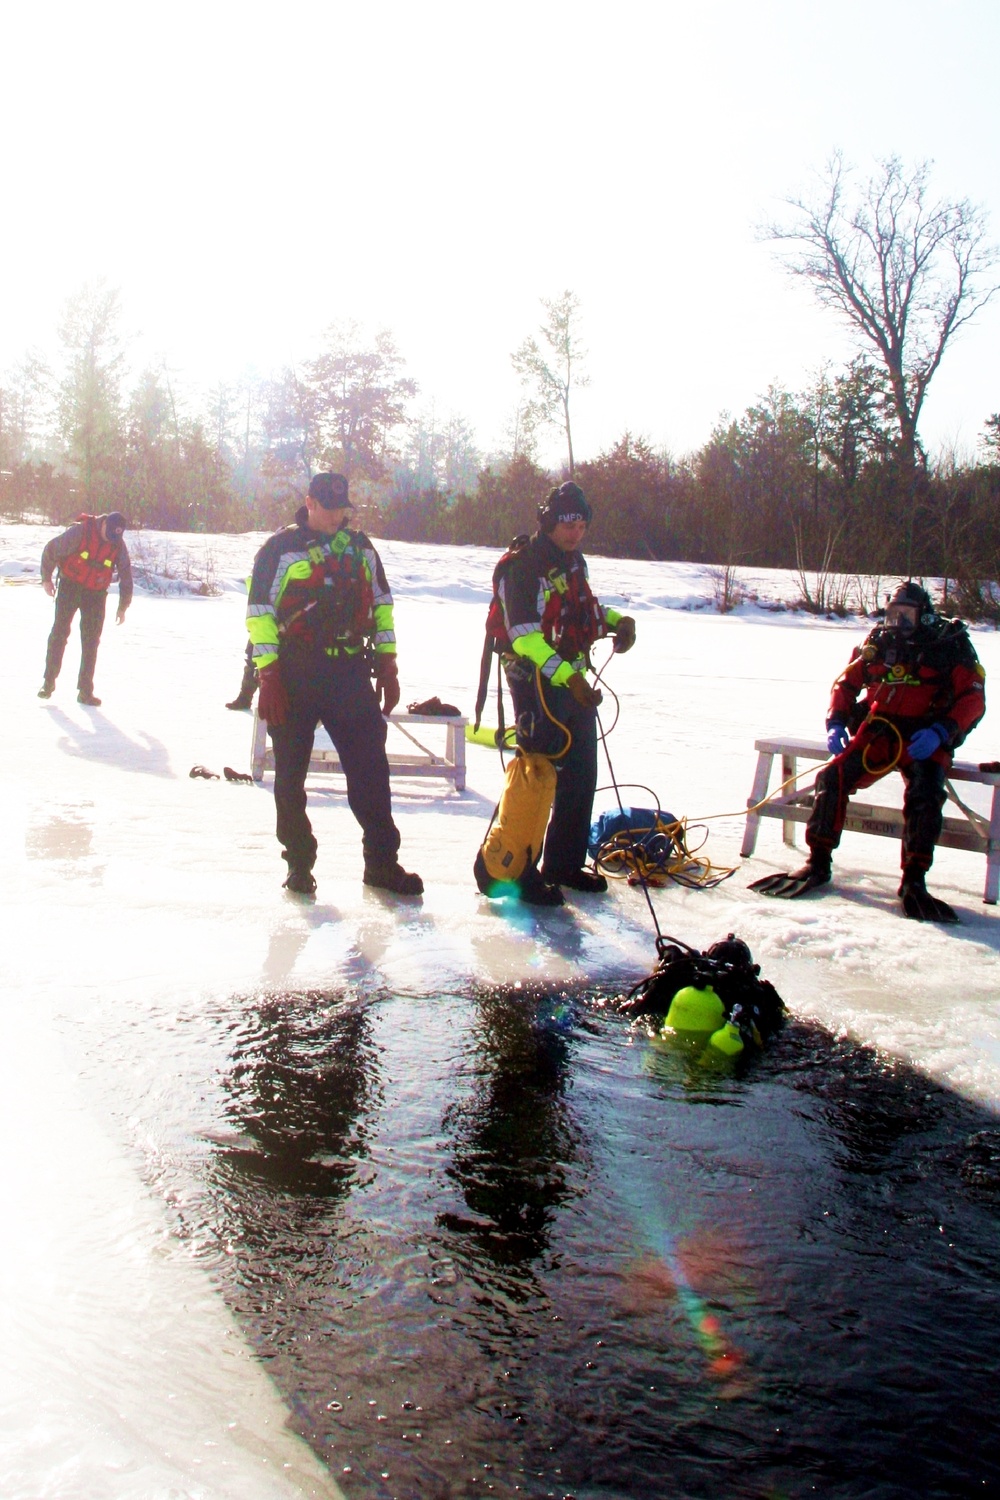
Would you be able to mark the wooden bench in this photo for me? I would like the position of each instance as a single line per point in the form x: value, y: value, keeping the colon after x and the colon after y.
x: 978, y: 833
x: 417, y: 759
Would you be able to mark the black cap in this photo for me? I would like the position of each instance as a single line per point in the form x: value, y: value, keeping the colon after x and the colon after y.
x: 567, y: 503
x: 329, y: 490
x: 115, y: 524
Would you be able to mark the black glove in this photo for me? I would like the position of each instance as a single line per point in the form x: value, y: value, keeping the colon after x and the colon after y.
x: 583, y: 693
x: 272, y: 705
x: 386, y: 681
x: 232, y: 775
x: 624, y: 634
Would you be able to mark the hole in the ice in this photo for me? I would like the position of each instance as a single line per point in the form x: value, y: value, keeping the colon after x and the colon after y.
x: 584, y: 1259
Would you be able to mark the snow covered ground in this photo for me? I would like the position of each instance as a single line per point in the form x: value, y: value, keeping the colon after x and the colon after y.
x: 129, y: 887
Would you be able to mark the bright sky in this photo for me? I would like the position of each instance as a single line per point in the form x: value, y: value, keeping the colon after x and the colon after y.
x: 246, y: 173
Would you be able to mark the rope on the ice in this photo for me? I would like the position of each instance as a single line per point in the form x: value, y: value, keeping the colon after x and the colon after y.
x: 652, y: 856
x: 658, y: 852
x: 881, y: 770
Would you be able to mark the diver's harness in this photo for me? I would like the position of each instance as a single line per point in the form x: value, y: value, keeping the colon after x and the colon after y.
x: 570, y: 622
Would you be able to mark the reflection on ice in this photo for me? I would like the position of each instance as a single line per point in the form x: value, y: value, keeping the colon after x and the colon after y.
x: 121, y: 1375
x: 63, y: 835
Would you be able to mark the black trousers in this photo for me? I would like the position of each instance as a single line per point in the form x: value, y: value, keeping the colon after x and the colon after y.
x: 92, y: 604
x: 923, y: 798
x: 337, y: 693
x: 568, y: 833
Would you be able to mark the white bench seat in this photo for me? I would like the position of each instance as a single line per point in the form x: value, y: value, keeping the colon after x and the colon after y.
x: 412, y: 758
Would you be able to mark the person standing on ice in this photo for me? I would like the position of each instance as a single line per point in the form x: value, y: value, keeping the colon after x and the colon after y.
x: 550, y: 621
x: 924, y: 693
x: 320, y: 617
x: 86, y: 556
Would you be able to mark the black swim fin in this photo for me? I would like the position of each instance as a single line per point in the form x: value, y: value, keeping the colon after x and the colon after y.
x: 787, y: 887
x: 920, y: 905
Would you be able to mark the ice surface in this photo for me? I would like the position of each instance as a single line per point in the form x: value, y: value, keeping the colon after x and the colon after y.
x: 128, y: 885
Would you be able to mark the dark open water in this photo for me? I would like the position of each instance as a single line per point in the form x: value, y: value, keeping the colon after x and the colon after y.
x: 500, y: 1244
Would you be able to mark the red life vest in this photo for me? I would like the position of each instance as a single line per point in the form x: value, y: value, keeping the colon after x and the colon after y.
x: 333, y: 607
x: 571, y: 619
x: 94, y: 563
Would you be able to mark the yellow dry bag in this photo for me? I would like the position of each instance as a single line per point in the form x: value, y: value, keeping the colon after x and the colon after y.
x: 514, y: 841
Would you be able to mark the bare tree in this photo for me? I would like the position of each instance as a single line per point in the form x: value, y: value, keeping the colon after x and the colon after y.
x: 552, y: 372
x: 904, y: 272
x: 519, y: 438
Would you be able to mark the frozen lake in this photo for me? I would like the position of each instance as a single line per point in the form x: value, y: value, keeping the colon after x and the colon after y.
x: 277, y: 1164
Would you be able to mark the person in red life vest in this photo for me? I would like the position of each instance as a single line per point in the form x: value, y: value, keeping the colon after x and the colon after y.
x: 552, y: 619
x: 86, y: 556
x: 924, y: 692
x: 320, y: 616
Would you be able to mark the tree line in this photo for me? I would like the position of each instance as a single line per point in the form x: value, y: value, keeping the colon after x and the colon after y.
x: 831, y: 480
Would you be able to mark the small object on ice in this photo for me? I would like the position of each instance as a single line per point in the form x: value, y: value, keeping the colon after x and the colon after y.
x: 232, y: 775
x: 203, y: 772
x: 434, y: 706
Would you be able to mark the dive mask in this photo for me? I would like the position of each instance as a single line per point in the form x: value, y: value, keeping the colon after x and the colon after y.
x: 902, y: 617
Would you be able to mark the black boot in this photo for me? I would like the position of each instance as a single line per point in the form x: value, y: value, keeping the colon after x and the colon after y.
x: 248, y: 686
x: 83, y: 696
x: 818, y: 871
x: 47, y: 688
x: 300, y: 880
x: 533, y: 889
x: 530, y: 888
x: 389, y: 875
x: 919, y: 904
x: 577, y: 880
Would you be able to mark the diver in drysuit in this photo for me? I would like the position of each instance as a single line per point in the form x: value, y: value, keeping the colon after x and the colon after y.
x: 924, y: 692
